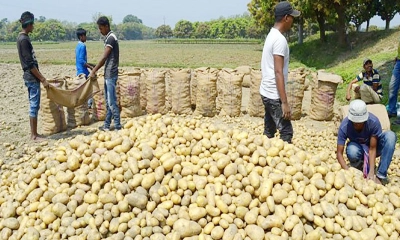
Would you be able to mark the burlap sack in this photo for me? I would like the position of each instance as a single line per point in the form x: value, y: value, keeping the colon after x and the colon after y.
x: 143, y: 88
x: 255, y: 107
x: 99, y: 102
x: 206, y: 92
x: 295, y: 92
x: 246, y: 71
x: 379, y: 110
x: 51, y: 115
x: 231, y: 92
x: 180, y: 91
x: 323, y: 96
x: 129, y: 83
x: 193, y: 88
x: 77, y: 116
x: 168, y: 91
x: 155, y: 92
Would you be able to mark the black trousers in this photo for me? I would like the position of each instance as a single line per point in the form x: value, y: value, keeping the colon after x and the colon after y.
x: 273, y: 120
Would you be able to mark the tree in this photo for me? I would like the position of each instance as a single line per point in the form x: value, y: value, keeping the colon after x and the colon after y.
x: 183, y: 29
x: 130, y: 31
x: 131, y: 18
x: 262, y: 12
x: 361, y: 11
x: 387, y: 9
x: 203, y: 30
x: 41, y: 19
x: 164, y: 31
x: 340, y: 8
x: 50, y: 30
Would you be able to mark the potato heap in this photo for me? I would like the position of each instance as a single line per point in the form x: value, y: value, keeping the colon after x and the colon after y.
x: 172, y: 177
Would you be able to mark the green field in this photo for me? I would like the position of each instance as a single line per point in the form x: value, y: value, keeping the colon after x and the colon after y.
x: 147, y: 54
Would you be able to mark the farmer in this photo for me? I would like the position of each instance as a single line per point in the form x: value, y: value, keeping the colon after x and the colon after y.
x: 81, y: 57
x: 32, y: 77
x: 274, y: 66
x: 110, y: 59
x: 371, y: 89
x: 394, y: 86
x: 366, y: 142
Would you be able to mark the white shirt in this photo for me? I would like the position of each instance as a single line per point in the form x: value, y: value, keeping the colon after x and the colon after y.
x: 275, y: 44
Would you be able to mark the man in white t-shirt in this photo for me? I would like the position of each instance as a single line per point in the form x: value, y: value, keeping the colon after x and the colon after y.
x: 274, y: 66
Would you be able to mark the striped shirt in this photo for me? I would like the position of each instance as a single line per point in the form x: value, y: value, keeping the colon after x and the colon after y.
x: 370, y: 79
x: 112, y: 62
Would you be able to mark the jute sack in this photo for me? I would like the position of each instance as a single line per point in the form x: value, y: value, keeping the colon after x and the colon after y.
x: 379, y: 110
x: 323, y: 96
x: 231, y: 92
x: 295, y: 92
x: 155, y: 92
x: 99, y: 100
x: 168, y: 91
x: 180, y: 91
x: 193, y: 87
x: 52, y: 115
x: 142, y: 89
x: 206, y: 92
x: 129, y: 83
x: 255, y: 107
x: 77, y: 116
x: 246, y: 71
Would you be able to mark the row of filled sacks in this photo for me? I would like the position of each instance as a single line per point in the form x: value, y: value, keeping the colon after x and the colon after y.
x: 56, y: 118
x: 209, y: 91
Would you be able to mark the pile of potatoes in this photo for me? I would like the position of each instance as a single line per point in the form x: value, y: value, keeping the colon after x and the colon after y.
x: 176, y: 177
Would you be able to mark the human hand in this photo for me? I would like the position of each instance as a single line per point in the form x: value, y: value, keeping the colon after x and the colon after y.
x: 348, y: 97
x: 286, y: 111
x: 45, y: 83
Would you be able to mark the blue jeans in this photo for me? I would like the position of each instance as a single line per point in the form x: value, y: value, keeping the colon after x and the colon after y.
x: 394, y: 88
x: 273, y: 120
x: 386, y: 145
x: 34, y: 98
x: 112, y: 104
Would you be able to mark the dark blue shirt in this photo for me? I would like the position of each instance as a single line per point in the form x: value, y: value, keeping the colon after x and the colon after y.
x: 112, y: 62
x: 372, y: 127
x: 81, y: 59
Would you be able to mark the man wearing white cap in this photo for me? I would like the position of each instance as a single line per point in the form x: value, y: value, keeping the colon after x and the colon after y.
x: 366, y: 142
x: 274, y: 67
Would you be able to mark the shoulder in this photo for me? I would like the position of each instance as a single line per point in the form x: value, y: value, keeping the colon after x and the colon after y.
x: 374, y: 71
x: 343, y: 125
x: 373, y: 119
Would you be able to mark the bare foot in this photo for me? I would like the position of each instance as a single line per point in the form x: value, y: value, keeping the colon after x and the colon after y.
x: 38, y: 138
x: 377, y: 180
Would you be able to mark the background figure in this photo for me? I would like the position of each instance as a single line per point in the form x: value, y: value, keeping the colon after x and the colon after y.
x: 394, y: 87
x: 275, y: 68
x: 370, y: 90
x: 110, y: 59
x: 32, y: 77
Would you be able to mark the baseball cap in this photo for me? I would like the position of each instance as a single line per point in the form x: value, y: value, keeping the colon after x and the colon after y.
x: 358, y: 112
x: 285, y: 8
x: 366, y: 60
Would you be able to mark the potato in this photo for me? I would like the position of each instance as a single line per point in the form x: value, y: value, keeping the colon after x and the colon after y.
x: 186, y: 228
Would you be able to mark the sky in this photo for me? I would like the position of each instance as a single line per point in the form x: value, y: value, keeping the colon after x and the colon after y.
x: 152, y: 12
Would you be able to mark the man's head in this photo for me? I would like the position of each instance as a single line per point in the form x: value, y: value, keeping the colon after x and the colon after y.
x: 285, y: 14
x: 81, y: 34
x: 367, y: 64
x: 104, y: 25
x: 358, y: 114
x: 27, y: 19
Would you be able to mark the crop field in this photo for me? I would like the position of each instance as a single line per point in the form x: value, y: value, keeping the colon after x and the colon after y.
x: 147, y: 54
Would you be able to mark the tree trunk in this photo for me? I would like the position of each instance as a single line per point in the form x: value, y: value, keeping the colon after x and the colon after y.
x: 301, y: 30
x: 358, y: 27
x: 341, y: 23
x: 387, y: 24
x: 321, y: 24
x: 367, y: 25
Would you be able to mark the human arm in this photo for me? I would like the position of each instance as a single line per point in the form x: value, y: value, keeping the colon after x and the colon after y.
x: 31, y: 64
x: 339, y: 156
x: 89, y: 65
x: 39, y: 76
x: 376, y: 80
x: 101, y: 62
x: 372, y: 156
x: 349, y: 87
x: 280, y: 85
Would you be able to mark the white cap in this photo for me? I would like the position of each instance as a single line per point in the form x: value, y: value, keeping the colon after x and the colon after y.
x: 358, y: 112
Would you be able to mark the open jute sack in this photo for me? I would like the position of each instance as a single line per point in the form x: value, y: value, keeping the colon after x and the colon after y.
x: 323, y: 96
x: 230, y: 83
x: 129, y: 83
x: 295, y: 88
x: 206, y: 92
x: 180, y: 91
x: 99, y: 101
x: 255, y: 107
x: 155, y: 92
x: 79, y: 115
x: 51, y: 114
x: 246, y: 71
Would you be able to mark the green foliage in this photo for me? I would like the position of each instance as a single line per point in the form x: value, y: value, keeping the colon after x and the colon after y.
x: 164, y: 31
x: 183, y: 29
x: 387, y: 9
x: 131, y: 19
x: 129, y: 31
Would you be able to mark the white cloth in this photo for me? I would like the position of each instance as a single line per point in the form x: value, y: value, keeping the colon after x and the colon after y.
x: 275, y: 44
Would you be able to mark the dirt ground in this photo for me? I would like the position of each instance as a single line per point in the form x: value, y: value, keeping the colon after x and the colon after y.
x: 14, y: 123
